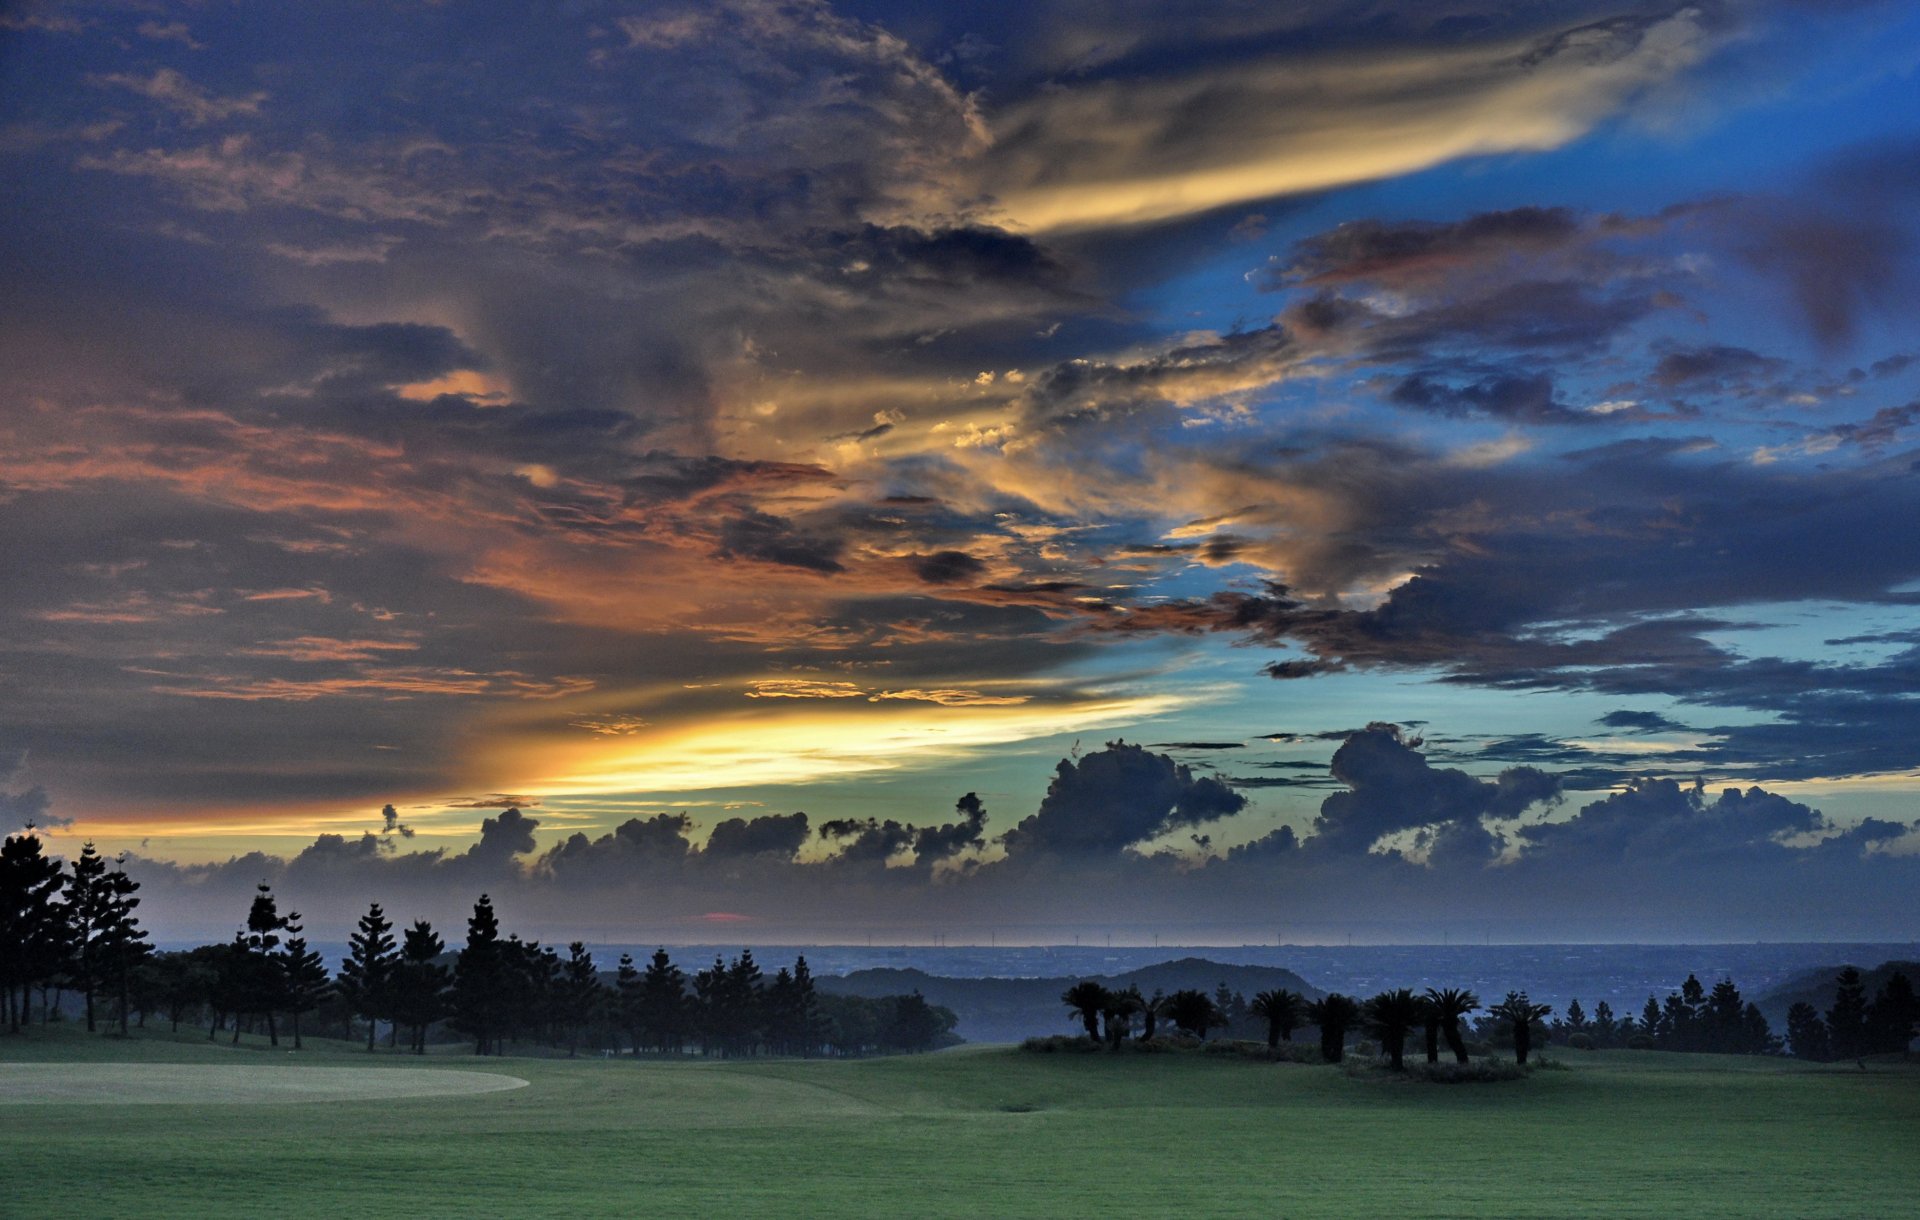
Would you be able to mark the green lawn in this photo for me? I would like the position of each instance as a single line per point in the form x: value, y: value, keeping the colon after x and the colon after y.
x: 980, y: 1132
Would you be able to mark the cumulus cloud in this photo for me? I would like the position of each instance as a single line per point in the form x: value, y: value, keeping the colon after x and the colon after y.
x: 1119, y: 797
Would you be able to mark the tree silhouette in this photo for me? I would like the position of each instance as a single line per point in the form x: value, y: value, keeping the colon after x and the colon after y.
x: 1086, y: 1000
x: 1281, y: 1010
x: 258, y: 984
x: 1119, y: 1012
x: 1151, y: 1010
x: 1390, y: 1016
x: 478, y: 975
x: 88, y: 901
x: 419, y: 984
x: 367, y: 974
x: 1807, y: 1034
x: 663, y: 1004
x: 1334, y: 1014
x: 121, y: 942
x: 626, y: 987
x: 304, y: 981
x: 1521, y: 1013
x: 1193, y: 1012
x: 33, y: 926
x: 1449, y: 1007
x: 1847, y: 1019
x: 1892, y: 1015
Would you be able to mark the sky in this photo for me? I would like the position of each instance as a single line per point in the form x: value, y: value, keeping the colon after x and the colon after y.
x: 805, y: 471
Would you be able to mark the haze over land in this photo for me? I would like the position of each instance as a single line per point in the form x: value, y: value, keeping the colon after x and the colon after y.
x: 1465, y: 452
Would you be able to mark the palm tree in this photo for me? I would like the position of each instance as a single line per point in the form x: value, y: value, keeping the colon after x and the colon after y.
x: 1389, y: 1016
x: 1521, y: 1013
x: 1088, y: 1000
x: 1119, y: 1010
x: 1447, y: 1007
x: 1334, y: 1014
x: 1193, y: 1011
x: 1151, y: 1010
x: 1281, y: 1011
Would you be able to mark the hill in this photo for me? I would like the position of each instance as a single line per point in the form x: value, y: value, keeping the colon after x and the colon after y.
x: 1010, y: 1009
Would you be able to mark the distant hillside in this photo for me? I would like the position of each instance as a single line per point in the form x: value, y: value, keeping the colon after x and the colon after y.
x: 1815, y: 987
x: 1008, y: 1010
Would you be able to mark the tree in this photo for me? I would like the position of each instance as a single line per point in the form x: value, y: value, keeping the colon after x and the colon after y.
x: 916, y: 1024
x: 1280, y: 1009
x: 1606, y: 1030
x: 1086, y: 1000
x: 418, y: 987
x: 1847, y: 1019
x: 1450, y: 1006
x: 1807, y: 1034
x: 1520, y: 1013
x: 627, y: 987
x: 304, y: 981
x: 88, y: 900
x: 478, y: 978
x: 366, y: 976
x: 1151, y: 1010
x: 1119, y: 1011
x: 33, y: 928
x: 1390, y: 1015
x: 1194, y: 1012
x: 1335, y: 1014
x: 663, y: 1003
x: 122, y: 943
x: 257, y: 983
x: 808, y: 1024
x: 1722, y: 1021
x: 1892, y: 1016
x: 1756, y: 1036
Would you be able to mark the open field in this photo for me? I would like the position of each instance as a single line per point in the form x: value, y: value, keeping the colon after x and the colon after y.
x: 977, y: 1131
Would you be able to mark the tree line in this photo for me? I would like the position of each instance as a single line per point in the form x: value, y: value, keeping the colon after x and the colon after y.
x: 1110, y: 1016
x: 1691, y: 1019
x: 76, y: 929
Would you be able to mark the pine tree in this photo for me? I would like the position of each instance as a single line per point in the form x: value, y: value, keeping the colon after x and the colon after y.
x: 1847, y: 1019
x: 367, y: 974
x: 1722, y: 1026
x: 663, y: 1003
x: 33, y: 926
x: 627, y: 983
x: 809, y: 1025
x: 583, y: 993
x: 120, y: 940
x: 1807, y: 1034
x: 1756, y: 1036
x: 87, y: 910
x: 419, y: 985
x: 1606, y: 1030
x: 1892, y: 1016
x: 262, y: 984
x: 477, y: 981
x: 304, y: 981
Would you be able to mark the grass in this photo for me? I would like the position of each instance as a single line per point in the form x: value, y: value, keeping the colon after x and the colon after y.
x: 981, y: 1131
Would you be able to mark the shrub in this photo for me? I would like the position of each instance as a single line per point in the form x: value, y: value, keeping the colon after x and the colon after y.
x: 1480, y: 1071
x: 1581, y: 1042
x: 1640, y: 1042
x: 1055, y: 1043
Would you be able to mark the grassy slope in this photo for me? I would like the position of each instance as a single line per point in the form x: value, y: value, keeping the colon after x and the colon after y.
x: 986, y: 1132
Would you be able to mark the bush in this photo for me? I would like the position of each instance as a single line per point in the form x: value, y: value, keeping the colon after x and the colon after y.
x: 1259, y: 1052
x: 1640, y: 1042
x: 1581, y: 1042
x: 1548, y: 1065
x: 1480, y: 1071
x: 1055, y: 1043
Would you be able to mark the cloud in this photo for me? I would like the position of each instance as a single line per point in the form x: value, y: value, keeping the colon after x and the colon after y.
x: 1116, y: 798
x: 1113, y: 150
x: 775, y: 834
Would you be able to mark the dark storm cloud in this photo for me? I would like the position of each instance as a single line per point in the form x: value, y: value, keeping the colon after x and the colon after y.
x: 947, y: 567
x: 1521, y: 399
x: 771, y: 539
x: 774, y: 834
x: 1641, y: 722
x: 1116, y: 798
x: 1391, y: 788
